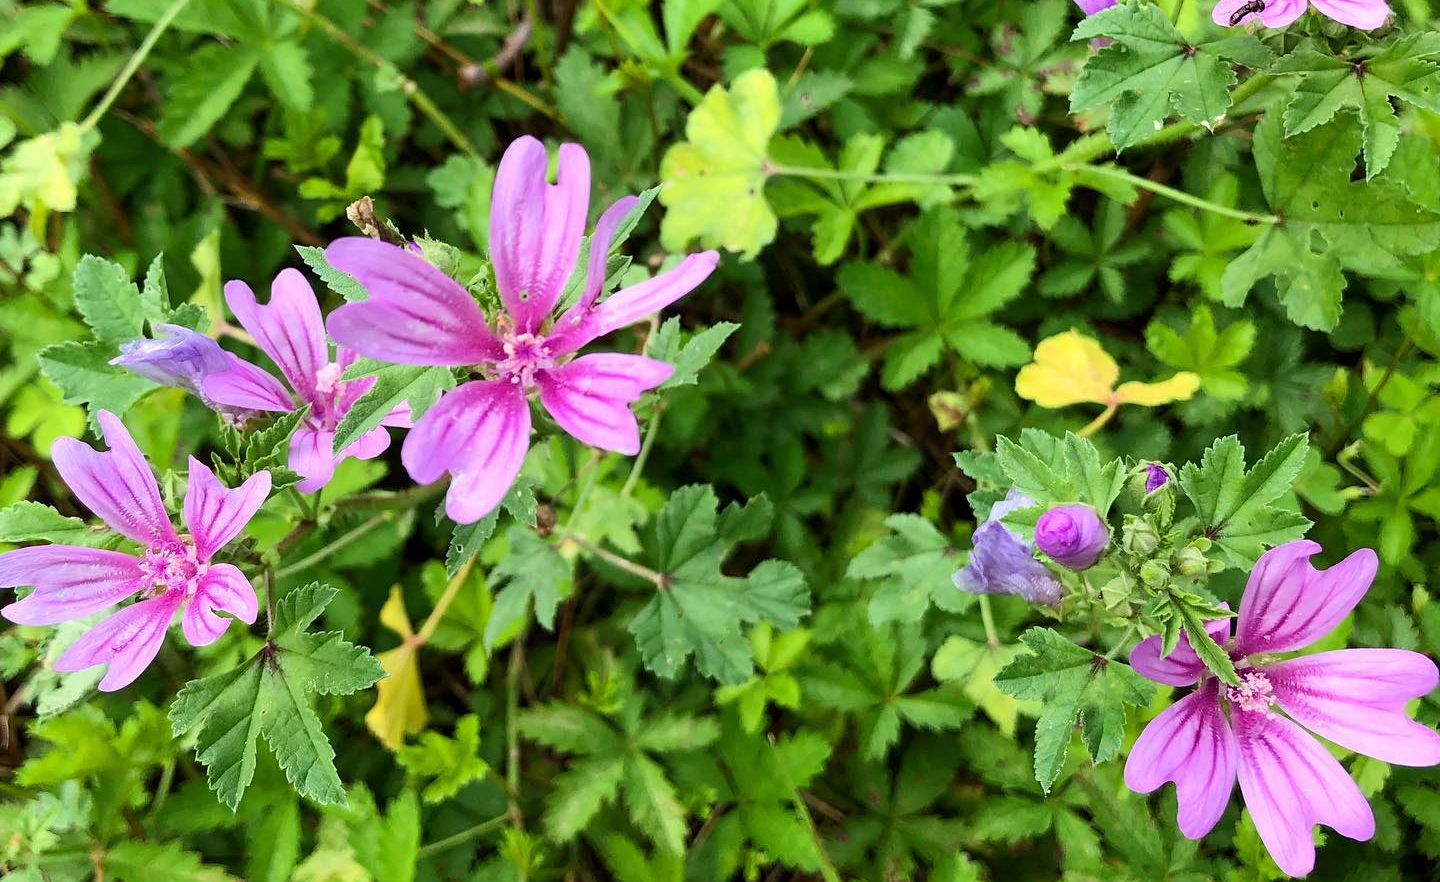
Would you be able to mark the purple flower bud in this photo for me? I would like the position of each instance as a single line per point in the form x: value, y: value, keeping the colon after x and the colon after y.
x: 181, y: 357
x: 1090, y: 7
x: 1072, y: 535
x: 1155, y: 477
x: 1001, y: 563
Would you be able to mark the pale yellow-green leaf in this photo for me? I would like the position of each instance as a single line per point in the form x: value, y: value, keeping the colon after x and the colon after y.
x: 1071, y: 368
x: 1068, y: 368
x: 400, y: 702
x: 44, y: 172
x: 975, y: 664
x: 1178, y: 388
x: 714, y: 181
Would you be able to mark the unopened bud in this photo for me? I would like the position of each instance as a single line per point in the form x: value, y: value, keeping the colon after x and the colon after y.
x: 1155, y: 574
x: 1073, y: 536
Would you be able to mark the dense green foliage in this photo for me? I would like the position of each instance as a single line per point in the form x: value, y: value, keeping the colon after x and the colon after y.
x: 740, y: 654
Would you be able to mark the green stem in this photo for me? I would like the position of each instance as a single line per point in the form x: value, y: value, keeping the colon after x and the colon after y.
x: 1120, y: 646
x: 462, y: 837
x: 512, y: 731
x: 408, y: 86
x: 827, y: 867
x: 451, y: 590
x: 1116, y: 173
x: 123, y: 78
x: 269, y: 602
x: 340, y: 542
x: 659, y: 580
x: 1099, y: 422
x: 639, y: 465
x: 591, y: 473
x: 831, y: 174
x: 992, y: 636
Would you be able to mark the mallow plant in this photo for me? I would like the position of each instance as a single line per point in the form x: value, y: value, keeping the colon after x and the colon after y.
x: 1006, y: 450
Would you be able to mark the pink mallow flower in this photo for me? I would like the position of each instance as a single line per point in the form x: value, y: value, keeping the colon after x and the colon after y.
x: 290, y: 330
x: 1353, y: 697
x: 173, y: 573
x: 1367, y: 15
x: 480, y: 431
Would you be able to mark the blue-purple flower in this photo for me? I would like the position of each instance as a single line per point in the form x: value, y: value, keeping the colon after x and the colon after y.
x: 1072, y: 535
x: 1003, y: 564
x: 1155, y: 477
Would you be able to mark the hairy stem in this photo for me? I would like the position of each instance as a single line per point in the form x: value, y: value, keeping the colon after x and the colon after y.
x: 1143, y: 183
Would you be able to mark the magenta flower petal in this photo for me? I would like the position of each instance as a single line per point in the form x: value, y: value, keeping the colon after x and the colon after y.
x: 1291, y: 783
x: 1367, y: 15
x: 214, y: 513
x: 600, y: 241
x: 312, y: 457
x: 1090, y: 7
x: 1288, y: 604
x: 591, y: 396
x: 1182, y: 667
x: 480, y: 434
x: 247, y: 386
x: 1356, y: 698
x: 369, y: 445
x: 416, y: 314
x: 70, y: 582
x: 224, y: 588
x: 289, y: 328
x: 1189, y: 743
x: 117, y: 485
x: 126, y: 641
x: 1074, y: 535
x: 536, y: 227
x: 578, y: 327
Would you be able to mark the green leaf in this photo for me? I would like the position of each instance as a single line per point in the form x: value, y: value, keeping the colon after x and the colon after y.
x: 914, y: 566
x: 387, y: 846
x: 532, y: 571
x: 419, y: 386
x: 714, y: 181
x: 108, y: 300
x: 1201, y: 350
x: 448, y: 763
x: 699, y: 610
x: 1331, y: 224
x: 1233, y: 504
x: 36, y: 522
x: 212, y: 80
x: 1074, y: 684
x: 136, y: 861
x: 697, y: 352
x: 271, y: 695
x: 1150, y: 68
x: 287, y: 71
x: 84, y: 375
x: 1329, y: 84
x: 264, y: 449
x: 1210, y: 652
x: 341, y: 283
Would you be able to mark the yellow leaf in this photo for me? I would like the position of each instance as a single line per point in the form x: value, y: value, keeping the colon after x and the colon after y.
x: 1071, y: 368
x: 1068, y: 368
x: 400, y: 704
x: 1178, y: 388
